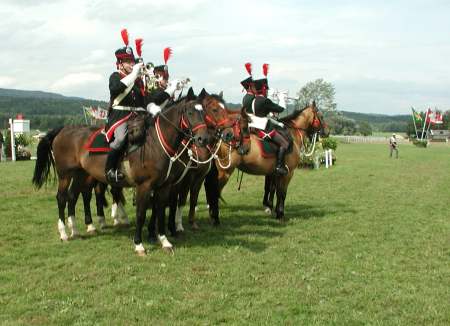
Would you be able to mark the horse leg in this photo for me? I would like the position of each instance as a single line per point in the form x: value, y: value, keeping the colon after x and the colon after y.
x: 268, y: 194
x: 182, y: 198
x: 142, y: 199
x: 72, y: 196
x: 281, y: 189
x: 100, y: 202
x: 152, y: 224
x: 87, y: 196
x: 61, y: 198
x: 160, y: 204
x: 193, y: 198
x: 173, y: 211
x: 118, y: 212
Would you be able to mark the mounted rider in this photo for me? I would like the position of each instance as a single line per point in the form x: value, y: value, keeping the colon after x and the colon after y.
x: 127, y: 96
x: 161, y: 91
x: 258, y: 107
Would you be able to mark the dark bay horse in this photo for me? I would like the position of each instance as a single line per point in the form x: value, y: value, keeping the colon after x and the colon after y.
x: 146, y: 168
x: 300, y: 124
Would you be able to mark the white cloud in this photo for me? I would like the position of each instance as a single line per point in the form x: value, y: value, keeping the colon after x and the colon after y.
x: 223, y: 71
x: 6, y: 81
x: 372, y: 51
x: 75, y: 80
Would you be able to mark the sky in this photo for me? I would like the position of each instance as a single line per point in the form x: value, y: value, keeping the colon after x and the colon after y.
x: 381, y: 56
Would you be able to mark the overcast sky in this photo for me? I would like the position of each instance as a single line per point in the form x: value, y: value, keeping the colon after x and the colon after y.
x: 382, y: 57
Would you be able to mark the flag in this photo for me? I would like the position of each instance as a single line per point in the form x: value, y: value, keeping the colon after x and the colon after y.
x: 96, y: 112
x: 438, y: 119
x: 430, y: 116
x: 416, y: 115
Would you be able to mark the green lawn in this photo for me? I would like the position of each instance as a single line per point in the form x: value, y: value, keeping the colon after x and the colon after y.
x: 367, y: 242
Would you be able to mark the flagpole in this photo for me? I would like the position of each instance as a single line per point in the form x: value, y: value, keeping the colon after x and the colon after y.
x: 414, y: 121
x: 424, y: 124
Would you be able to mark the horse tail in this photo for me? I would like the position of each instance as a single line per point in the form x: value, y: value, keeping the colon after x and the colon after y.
x: 45, y: 158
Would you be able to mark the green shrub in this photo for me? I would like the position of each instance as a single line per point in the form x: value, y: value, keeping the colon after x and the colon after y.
x: 420, y: 143
x: 329, y: 143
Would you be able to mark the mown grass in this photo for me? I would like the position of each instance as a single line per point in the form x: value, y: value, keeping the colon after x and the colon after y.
x: 367, y: 242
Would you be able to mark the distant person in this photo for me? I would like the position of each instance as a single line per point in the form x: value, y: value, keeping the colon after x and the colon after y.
x: 2, y: 142
x: 393, y: 146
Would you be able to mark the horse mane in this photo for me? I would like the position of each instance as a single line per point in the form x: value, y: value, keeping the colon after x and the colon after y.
x: 294, y: 115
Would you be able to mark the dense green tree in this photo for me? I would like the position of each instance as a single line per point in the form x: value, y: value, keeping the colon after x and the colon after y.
x: 320, y: 91
x: 365, y: 129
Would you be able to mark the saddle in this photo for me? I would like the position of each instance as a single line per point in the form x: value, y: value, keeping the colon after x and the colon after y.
x: 266, y: 145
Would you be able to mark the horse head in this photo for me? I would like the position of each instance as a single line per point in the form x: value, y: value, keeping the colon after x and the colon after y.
x: 309, y: 119
x: 216, y: 114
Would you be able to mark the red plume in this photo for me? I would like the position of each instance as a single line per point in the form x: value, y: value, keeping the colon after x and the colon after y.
x: 265, y: 69
x: 248, y: 67
x: 124, y: 33
x: 167, y: 54
x: 139, y: 43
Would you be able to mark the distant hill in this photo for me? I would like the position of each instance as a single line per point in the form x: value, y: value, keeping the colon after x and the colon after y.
x: 45, y: 110
x: 48, y: 110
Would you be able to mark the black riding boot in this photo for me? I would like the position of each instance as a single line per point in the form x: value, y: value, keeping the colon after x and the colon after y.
x: 281, y: 169
x: 112, y: 174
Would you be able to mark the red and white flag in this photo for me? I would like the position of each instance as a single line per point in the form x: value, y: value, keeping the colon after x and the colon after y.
x: 438, y: 119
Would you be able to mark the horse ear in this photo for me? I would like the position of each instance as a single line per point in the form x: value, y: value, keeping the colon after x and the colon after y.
x: 202, y: 94
x: 314, y: 104
x: 221, y: 95
x: 190, y: 94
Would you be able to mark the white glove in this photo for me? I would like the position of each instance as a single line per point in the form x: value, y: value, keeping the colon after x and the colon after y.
x: 130, y: 78
x: 173, y: 86
x: 153, y: 109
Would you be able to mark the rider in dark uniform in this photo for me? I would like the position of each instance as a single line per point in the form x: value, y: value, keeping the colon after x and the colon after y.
x: 162, y: 91
x: 127, y: 95
x: 260, y: 106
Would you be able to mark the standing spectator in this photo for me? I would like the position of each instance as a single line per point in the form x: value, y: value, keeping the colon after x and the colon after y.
x: 393, y: 145
x: 2, y: 142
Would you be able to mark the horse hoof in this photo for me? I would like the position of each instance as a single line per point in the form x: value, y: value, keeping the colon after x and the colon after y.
x: 194, y: 226
x: 267, y: 210
x: 74, y: 236
x: 91, y: 229
x: 140, y: 250
x: 215, y: 222
x: 64, y: 239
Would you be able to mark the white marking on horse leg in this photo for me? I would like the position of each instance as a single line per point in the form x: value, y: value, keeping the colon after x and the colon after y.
x: 164, y: 242
x: 267, y: 210
x: 207, y: 206
x: 62, y: 231
x: 115, y: 214
x: 123, y: 214
x: 91, y: 228
x: 72, y: 227
x: 102, y: 222
x: 179, y: 219
x: 139, y: 249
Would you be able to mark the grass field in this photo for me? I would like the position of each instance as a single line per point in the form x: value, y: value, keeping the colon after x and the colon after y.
x: 367, y: 242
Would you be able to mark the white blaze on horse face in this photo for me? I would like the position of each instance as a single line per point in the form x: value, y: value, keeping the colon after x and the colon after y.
x: 222, y: 106
x: 198, y: 107
x: 179, y: 219
x: 62, y: 231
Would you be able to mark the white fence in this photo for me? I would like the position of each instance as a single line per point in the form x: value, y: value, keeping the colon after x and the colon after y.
x: 368, y: 139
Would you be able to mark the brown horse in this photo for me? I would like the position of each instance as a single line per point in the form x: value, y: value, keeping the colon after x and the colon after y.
x: 300, y: 124
x: 217, y: 119
x: 147, y: 168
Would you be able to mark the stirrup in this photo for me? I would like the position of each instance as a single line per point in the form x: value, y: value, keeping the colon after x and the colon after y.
x: 281, y: 170
x: 114, y: 176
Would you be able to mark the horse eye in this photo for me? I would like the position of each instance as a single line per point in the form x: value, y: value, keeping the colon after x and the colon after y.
x: 215, y: 110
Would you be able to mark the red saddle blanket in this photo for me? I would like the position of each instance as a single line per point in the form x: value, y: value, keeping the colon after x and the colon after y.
x: 97, y: 142
x: 268, y: 148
